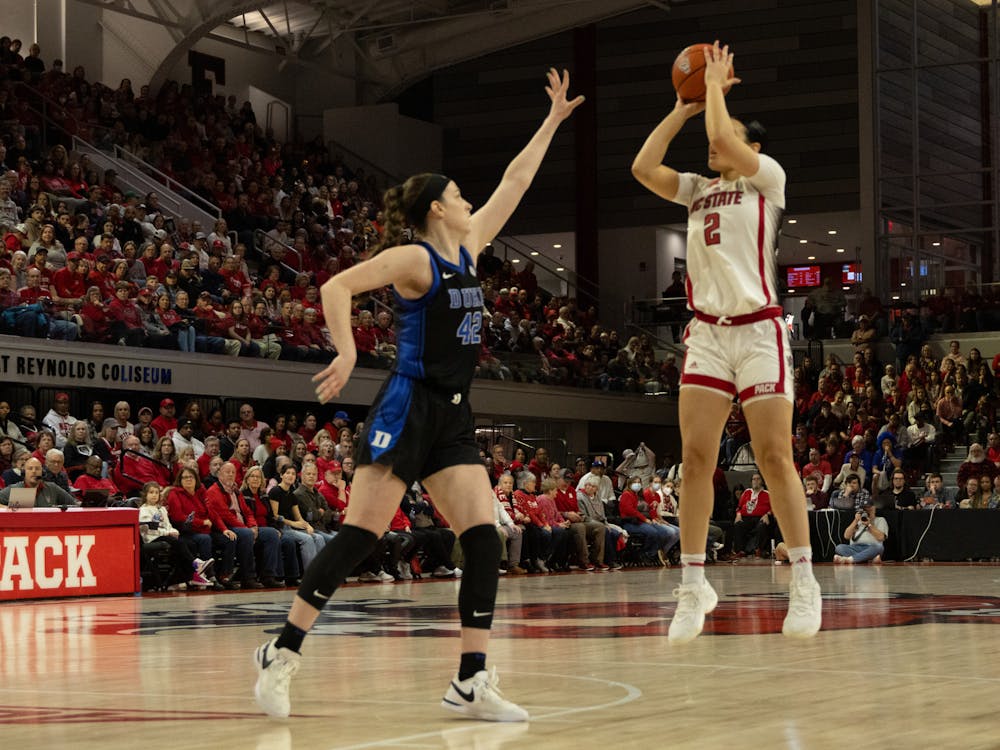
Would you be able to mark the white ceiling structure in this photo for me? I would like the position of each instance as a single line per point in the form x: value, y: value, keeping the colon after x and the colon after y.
x: 399, y: 41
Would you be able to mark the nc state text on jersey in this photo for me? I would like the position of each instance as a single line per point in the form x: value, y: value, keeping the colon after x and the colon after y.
x: 714, y: 200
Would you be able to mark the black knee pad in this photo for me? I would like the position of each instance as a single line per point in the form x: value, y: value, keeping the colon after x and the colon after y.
x: 334, y: 563
x: 478, y: 591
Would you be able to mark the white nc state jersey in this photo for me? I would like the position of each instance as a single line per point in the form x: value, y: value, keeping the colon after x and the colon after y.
x: 731, y: 241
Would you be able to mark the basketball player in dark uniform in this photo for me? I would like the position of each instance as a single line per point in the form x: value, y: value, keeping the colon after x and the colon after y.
x: 420, y: 426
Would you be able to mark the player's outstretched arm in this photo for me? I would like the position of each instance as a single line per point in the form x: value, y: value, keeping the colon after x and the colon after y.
x: 722, y: 135
x: 406, y: 267
x: 648, y: 167
x: 489, y: 220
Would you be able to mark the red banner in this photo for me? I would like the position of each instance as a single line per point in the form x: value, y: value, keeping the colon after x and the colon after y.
x: 69, y: 555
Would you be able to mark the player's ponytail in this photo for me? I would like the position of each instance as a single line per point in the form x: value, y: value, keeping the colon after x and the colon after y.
x: 408, y: 204
x: 395, y: 218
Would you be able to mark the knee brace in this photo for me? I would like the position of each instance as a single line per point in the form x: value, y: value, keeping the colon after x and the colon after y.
x: 477, y: 593
x: 334, y: 563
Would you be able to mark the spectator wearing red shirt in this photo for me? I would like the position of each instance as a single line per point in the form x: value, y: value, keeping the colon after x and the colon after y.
x: 332, y: 486
x: 257, y: 501
x: 752, y: 517
x: 134, y: 469
x: 166, y: 423
x: 188, y: 513
x: 69, y: 284
x: 229, y: 512
x: 993, y: 451
x: 91, y: 478
x: 163, y: 263
x: 242, y: 459
x: 537, y: 532
x: 96, y: 319
x: 366, y: 340
x: 312, y: 332
x: 642, y: 519
x: 559, y: 525
x: 818, y: 468
x: 204, y: 461
x: 539, y: 465
x: 586, y: 533
x: 126, y: 318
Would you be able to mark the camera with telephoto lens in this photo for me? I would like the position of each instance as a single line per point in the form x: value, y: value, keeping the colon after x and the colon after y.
x: 864, y: 516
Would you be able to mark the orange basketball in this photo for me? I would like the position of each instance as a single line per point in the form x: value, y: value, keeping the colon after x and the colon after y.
x: 689, y: 73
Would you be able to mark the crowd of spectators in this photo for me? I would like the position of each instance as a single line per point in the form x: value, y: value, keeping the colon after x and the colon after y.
x: 243, y: 503
x: 84, y: 258
x: 887, y: 426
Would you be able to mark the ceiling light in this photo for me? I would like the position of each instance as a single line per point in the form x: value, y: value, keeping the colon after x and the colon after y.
x: 793, y: 221
x: 811, y: 257
x: 936, y: 244
x: 560, y: 268
x: 803, y: 242
x: 557, y: 246
x: 840, y: 249
x: 832, y: 231
x: 895, y: 296
x: 515, y: 260
x: 791, y: 291
x: 534, y: 252
x: 902, y: 283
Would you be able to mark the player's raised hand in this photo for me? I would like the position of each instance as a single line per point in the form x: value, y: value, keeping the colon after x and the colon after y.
x: 688, y: 109
x: 332, y: 379
x: 557, y: 89
x: 719, y: 66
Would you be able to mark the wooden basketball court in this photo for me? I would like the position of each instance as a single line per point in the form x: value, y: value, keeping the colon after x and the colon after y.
x: 908, y: 659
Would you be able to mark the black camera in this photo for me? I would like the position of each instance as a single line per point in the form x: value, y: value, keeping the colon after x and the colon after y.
x: 864, y: 516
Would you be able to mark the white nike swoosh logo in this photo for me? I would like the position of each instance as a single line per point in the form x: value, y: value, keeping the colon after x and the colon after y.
x: 447, y: 275
x: 480, y: 614
x: 319, y: 595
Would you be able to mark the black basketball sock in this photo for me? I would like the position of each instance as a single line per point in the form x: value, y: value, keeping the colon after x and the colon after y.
x: 472, y: 662
x: 291, y: 637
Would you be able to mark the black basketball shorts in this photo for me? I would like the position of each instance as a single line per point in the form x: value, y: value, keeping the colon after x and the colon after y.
x: 417, y: 431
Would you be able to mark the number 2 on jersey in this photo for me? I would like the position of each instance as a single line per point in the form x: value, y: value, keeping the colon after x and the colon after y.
x: 712, y: 229
x: 468, y: 329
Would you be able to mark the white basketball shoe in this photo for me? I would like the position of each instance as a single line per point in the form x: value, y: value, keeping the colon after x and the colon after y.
x: 479, y: 697
x: 275, y: 669
x: 694, y: 601
x: 805, y: 608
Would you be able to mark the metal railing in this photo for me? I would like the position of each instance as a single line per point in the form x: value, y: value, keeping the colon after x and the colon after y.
x: 168, y: 183
x: 260, y: 242
x: 370, y: 167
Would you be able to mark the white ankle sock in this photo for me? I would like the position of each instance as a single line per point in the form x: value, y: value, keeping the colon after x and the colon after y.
x: 693, y: 568
x: 801, y: 560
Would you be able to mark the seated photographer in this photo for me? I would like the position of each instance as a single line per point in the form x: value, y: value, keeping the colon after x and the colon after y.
x: 865, y: 536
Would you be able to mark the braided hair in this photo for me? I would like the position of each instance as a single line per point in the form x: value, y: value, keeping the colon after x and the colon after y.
x: 398, y: 201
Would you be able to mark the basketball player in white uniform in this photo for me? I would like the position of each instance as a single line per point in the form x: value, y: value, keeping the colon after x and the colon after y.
x: 737, y: 343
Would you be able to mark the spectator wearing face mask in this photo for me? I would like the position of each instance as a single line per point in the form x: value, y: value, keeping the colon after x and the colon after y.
x: 641, y: 518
